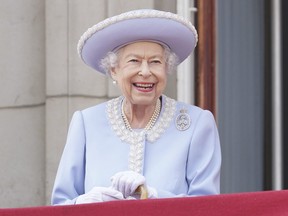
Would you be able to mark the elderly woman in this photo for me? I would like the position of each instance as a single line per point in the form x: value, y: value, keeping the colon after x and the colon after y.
x: 142, y: 139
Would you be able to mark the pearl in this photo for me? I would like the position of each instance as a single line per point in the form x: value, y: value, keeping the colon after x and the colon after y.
x: 152, y: 120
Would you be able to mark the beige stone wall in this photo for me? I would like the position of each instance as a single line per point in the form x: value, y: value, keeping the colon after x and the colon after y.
x: 22, y: 102
x: 42, y: 82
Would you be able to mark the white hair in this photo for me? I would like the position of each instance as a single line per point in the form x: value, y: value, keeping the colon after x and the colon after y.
x: 111, y: 60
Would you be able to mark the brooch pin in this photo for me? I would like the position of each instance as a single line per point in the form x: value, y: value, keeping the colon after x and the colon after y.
x: 183, y: 120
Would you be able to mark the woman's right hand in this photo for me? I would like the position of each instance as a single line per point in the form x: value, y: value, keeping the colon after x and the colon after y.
x: 99, y: 194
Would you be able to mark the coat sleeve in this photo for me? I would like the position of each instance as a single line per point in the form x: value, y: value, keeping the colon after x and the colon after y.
x: 204, y: 157
x: 69, y: 182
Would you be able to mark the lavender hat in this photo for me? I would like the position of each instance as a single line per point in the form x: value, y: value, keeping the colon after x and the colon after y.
x: 138, y: 25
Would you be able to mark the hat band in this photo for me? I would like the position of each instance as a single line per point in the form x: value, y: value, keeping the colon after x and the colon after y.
x: 136, y: 41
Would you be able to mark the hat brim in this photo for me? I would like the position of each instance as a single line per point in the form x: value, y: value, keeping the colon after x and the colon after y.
x: 178, y: 37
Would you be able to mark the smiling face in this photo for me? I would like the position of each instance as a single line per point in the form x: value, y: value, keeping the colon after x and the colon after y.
x: 141, y: 72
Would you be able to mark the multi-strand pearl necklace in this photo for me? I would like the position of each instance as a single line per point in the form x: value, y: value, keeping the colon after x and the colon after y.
x: 152, y: 120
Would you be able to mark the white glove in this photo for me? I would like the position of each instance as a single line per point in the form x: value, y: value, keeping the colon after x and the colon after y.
x: 128, y: 181
x: 99, y: 194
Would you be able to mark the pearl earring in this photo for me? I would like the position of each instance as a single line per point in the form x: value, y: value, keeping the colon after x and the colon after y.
x: 114, y: 82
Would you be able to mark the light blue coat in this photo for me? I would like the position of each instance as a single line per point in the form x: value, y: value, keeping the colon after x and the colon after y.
x: 176, y: 163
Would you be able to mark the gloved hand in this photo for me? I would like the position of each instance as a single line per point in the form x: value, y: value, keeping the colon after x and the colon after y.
x: 128, y: 181
x: 99, y: 194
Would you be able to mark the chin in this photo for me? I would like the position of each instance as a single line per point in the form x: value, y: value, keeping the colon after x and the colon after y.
x: 145, y: 100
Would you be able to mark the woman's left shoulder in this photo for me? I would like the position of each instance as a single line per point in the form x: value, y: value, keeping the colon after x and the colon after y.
x: 191, y: 109
x: 188, y: 115
x: 183, y: 107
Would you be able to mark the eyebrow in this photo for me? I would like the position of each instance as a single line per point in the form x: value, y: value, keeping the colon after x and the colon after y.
x: 140, y: 56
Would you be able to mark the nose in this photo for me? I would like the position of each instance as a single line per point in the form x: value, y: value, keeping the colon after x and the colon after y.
x: 145, y: 69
